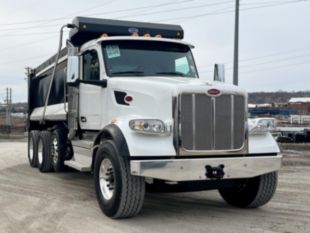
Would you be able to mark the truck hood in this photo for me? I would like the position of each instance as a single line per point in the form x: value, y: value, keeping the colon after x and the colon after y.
x: 152, y: 97
x: 173, y: 85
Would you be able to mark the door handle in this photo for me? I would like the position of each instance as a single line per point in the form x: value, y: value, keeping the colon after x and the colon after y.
x: 83, y: 119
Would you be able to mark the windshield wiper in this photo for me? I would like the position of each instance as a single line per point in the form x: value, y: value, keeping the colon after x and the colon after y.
x: 133, y: 72
x: 172, y: 73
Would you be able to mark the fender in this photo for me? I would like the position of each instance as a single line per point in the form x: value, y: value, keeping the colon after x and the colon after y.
x: 112, y: 132
x: 263, y: 144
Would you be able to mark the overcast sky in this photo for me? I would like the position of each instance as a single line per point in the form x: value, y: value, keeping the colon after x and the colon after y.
x: 274, y: 36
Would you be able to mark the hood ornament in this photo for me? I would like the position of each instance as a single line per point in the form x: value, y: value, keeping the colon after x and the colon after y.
x: 213, y: 92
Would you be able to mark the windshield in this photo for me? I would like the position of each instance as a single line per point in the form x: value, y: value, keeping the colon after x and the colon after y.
x: 148, y: 58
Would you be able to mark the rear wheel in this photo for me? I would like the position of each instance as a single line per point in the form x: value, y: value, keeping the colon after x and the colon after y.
x: 119, y: 194
x: 33, y: 138
x: 58, y: 148
x: 45, y: 160
x: 251, y: 193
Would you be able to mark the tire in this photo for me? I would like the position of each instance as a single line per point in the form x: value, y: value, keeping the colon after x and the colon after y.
x: 45, y: 160
x: 58, y: 148
x: 127, y: 195
x: 251, y: 193
x: 69, y: 151
x: 33, y: 138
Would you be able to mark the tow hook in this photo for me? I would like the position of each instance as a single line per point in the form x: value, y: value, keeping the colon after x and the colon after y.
x: 215, y: 172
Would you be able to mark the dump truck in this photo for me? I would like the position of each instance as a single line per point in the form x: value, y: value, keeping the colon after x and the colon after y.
x: 124, y: 101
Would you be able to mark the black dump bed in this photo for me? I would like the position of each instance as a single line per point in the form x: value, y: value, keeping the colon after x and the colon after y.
x: 39, y: 84
x: 91, y: 28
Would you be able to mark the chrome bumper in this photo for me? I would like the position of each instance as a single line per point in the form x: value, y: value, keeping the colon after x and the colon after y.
x: 195, y: 169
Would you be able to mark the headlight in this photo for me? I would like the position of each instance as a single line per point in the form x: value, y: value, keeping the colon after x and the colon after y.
x: 261, y: 125
x: 149, y: 126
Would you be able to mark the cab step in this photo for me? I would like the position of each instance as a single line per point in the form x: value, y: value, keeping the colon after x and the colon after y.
x: 78, y: 166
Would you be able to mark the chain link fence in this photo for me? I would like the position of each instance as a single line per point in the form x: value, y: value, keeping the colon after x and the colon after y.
x: 17, y: 127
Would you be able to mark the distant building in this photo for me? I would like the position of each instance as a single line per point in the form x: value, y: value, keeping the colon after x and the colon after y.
x: 301, y: 105
x: 300, y: 100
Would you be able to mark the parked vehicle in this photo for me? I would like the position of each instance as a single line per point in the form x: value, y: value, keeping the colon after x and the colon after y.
x: 124, y: 101
x: 294, y: 135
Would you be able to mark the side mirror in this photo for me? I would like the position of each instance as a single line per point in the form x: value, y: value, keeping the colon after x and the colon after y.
x: 219, y: 72
x: 72, y: 65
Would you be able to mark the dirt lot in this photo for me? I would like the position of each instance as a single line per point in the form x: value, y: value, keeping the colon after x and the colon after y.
x: 34, y: 202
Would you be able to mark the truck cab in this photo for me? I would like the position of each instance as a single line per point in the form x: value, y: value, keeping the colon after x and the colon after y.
x: 126, y: 103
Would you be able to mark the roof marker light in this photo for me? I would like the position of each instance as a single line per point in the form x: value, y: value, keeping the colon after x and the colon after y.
x: 104, y: 35
x: 135, y: 34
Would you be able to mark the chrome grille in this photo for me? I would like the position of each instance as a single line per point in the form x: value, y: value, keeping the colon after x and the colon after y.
x: 209, y: 123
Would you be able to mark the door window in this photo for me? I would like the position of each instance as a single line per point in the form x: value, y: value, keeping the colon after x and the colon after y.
x: 91, y: 68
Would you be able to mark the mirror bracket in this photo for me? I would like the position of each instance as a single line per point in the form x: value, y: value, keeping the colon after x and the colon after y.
x: 73, y: 67
x: 219, y: 72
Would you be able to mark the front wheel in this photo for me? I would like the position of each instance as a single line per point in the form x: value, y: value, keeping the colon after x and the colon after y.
x: 251, y: 193
x: 119, y: 194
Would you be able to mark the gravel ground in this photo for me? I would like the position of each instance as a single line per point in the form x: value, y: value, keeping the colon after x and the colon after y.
x: 65, y: 202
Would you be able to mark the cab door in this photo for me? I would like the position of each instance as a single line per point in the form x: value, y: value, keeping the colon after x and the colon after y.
x: 91, y: 95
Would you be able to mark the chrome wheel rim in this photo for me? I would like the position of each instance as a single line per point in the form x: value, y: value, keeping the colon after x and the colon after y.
x: 55, y: 150
x: 106, y: 179
x: 40, y: 151
x: 31, y: 149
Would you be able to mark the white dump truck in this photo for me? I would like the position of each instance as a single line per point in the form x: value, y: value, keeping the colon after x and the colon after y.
x: 124, y: 101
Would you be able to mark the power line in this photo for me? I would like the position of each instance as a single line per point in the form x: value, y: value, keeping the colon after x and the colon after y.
x: 290, y: 51
x: 180, y: 9
x: 246, y: 66
x: 24, y: 59
x: 231, y: 11
x: 142, y: 14
x: 217, y: 12
x: 107, y: 12
x: 268, y: 68
x: 53, y: 32
x: 275, y: 54
x: 133, y: 14
x: 53, y: 25
x: 26, y: 44
x: 31, y: 34
x: 274, y: 61
x: 54, y: 19
x: 277, y: 67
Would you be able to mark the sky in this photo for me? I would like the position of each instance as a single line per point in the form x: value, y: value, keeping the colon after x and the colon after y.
x: 274, y: 46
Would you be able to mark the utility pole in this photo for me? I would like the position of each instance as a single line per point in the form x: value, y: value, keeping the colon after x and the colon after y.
x: 7, y: 107
x: 8, y: 101
x: 236, y: 46
x: 10, y: 107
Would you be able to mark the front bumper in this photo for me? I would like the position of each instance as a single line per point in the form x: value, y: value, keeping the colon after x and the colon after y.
x: 195, y: 169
